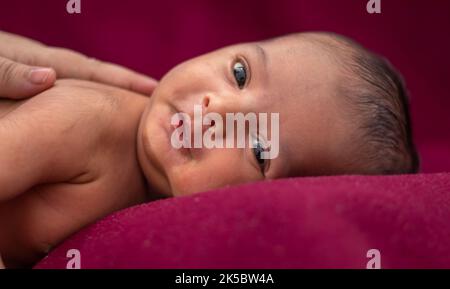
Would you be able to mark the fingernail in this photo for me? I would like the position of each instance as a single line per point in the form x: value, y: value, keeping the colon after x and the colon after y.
x: 39, y: 75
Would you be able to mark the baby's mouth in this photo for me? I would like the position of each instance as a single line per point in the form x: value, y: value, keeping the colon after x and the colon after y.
x: 194, y: 123
x: 185, y: 151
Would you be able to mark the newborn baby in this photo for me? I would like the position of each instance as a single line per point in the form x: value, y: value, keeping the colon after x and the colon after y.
x: 82, y: 150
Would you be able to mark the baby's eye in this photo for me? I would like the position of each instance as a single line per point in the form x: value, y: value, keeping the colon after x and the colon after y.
x: 240, y: 74
x: 258, y: 149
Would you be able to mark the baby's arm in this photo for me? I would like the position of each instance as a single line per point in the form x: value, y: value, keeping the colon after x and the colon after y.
x: 23, y: 158
x: 47, y: 139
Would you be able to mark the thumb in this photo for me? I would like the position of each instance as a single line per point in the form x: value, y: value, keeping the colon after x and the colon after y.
x: 18, y: 80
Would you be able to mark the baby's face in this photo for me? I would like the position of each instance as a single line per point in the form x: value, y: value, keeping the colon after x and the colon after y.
x: 290, y: 76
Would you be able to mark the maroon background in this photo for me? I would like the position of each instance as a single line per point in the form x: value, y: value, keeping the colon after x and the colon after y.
x: 153, y: 36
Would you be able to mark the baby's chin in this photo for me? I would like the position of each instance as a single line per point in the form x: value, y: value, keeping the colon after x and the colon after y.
x: 141, y: 144
x: 155, y: 155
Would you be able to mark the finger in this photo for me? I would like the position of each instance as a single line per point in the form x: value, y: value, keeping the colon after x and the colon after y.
x: 119, y: 76
x: 20, y: 81
x: 71, y: 64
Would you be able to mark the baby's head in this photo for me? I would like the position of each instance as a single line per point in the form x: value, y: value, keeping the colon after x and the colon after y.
x: 342, y: 110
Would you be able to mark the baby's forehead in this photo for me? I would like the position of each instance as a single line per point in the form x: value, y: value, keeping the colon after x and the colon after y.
x: 323, y: 45
x: 296, y: 67
x: 302, y: 84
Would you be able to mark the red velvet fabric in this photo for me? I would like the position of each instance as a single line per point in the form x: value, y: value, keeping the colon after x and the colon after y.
x: 314, y: 222
x: 321, y: 222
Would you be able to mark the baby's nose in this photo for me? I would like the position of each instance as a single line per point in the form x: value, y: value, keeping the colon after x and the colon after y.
x: 205, y: 110
x: 219, y: 103
x: 214, y: 115
x: 205, y: 102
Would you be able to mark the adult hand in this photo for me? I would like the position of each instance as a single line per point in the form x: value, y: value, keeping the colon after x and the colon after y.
x: 28, y: 67
x: 18, y: 80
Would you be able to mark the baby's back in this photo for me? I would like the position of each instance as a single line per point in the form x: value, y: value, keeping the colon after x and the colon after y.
x: 71, y: 157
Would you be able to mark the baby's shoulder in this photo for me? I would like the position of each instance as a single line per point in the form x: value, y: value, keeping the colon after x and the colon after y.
x: 84, y: 105
x: 85, y: 96
x: 77, y: 115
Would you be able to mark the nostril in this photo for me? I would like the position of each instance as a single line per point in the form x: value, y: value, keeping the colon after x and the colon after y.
x: 213, y: 122
x: 179, y: 124
x: 206, y: 102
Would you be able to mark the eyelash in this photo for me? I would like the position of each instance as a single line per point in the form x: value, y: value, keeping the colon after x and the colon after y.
x: 264, y: 165
x: 259, y: 146
x: 244, y: 66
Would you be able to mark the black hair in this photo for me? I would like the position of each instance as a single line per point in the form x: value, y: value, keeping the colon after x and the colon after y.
x: 384, y: 101
x: 380, y: 102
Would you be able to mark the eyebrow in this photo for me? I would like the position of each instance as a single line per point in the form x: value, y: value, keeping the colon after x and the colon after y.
x: 262, y: 54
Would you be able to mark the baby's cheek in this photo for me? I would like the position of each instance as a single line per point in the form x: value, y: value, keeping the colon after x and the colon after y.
x: 199, y: 179
x: 208, y: 174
